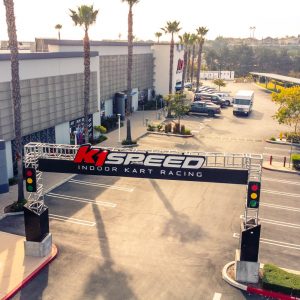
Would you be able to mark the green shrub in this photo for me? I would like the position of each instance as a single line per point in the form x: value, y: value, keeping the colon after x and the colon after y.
x: 273, y: 138
x: 182, y: 129
x: 151, y: 128
x: 187, y: 132
x: 293, y: 137
x: 126, y: 142
x: 159, y: 127
x: 100, y: 129
x: 176, y: 128
x: 278, y: 280
x: 296, y: 161
x: 13, y: 181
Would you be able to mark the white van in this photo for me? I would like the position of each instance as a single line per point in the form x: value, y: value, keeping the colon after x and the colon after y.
x: 243, y: 102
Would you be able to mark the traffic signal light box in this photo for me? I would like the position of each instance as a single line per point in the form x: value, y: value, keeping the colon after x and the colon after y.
x: 30, y: 179
x: 253, y: 194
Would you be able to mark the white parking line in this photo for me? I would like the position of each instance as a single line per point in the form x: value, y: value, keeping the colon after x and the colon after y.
x: 217, y: 296
x: 83, y: 200
x: 275, y: 222
x: 113, y: 187
x: 72, y: 220
x: 280, y: 193
x: 295, y: 209
x: 273, y: 242
x: 282, y: 150
x: 280, y: 181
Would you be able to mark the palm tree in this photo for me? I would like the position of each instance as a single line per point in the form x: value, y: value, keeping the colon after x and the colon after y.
x: 85, y: 16
x: 158, y: 35
x: 185, y: 41
x: 172, y: 28
x: 201, y: 32
x: 193, y: 40
x: 131, y: 3
x: 58, y: 27
x: 16, y: 95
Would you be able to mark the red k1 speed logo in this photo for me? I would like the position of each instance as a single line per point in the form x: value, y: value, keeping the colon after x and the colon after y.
x: 99, y: 157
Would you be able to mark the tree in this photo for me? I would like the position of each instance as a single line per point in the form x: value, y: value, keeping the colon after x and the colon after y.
x: 185, y: 41
x: 219, y: 82
x: 201, y: 32
x: 171, y: 28
x: 193, y: 40
x: 158, y: 35
x: 58, y: 27
x: 85, y: 16
x: 16, y: 95
x: 289, y: 107
x: 129, y: 65
x: 179, y: 106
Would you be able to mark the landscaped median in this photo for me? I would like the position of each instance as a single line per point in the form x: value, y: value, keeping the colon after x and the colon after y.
x: 273, y: 282
x: 175, y: 129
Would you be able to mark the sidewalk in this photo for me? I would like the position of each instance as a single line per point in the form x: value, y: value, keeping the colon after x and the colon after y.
x: 250, y: 288
x: 277, y: 166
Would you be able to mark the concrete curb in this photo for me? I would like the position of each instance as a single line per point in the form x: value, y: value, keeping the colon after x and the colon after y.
x: 170, y: 134
x: 278, y: 170
x: 282, y: 143
x: 251, y: 289
x: 33, y: 274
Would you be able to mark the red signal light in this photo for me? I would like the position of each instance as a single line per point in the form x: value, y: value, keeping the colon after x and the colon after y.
x: 254, y: 187
x: 28, y: 173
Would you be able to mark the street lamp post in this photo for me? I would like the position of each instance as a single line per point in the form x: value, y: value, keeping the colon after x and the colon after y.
x: 119, y: 125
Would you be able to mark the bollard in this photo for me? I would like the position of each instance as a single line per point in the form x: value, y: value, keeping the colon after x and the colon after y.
x: 284, y: 161
x: 271, y: 158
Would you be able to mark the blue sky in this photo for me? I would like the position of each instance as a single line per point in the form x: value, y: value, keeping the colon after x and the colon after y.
x: 231, y: 18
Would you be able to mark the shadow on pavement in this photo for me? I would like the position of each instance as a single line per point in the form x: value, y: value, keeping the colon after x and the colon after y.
x: 106, y: 281
x: 179, y: 226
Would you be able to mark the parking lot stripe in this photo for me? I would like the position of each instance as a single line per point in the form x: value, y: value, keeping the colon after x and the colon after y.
x: 281, y: 193
x: 77, y: 199
x: 217, y: 296
x: 273, y: 242
x: 280, y: 180
x: 72, y: 220
x: 275, y: 222
x: 113, y: 187
x: 280, y: 207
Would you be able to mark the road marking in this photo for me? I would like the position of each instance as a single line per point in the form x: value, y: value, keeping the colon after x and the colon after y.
x: 72, y: 220
x: 273, y: 242
x: 280, y: 180
x: 83, y: 200
x: 280, y: 207
x: 195, y: 131
x: 275, y: 222
x: 113, y: 187
x: 217, y: 296
x: 275, y: 155
x: 280, y: 193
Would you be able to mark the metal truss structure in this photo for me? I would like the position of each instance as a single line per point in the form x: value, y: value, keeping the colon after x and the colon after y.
x: 217, y: 160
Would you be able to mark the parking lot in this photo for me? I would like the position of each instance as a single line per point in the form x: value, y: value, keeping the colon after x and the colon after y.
x: 130, y: 238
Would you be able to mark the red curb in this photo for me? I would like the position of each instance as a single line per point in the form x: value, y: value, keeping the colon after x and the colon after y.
x: 266, y: 293
x: 33, y: 274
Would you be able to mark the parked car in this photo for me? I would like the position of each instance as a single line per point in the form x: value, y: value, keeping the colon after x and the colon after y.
x: 187, y: 85
x: 202, y: 107
x: 226, y: 96
x: 211, y: 97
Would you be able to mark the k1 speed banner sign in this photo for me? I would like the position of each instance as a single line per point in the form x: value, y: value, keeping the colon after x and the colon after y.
x: 96, y: 161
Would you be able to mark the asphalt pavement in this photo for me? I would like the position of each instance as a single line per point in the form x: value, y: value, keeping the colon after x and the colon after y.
x: 130, y: 238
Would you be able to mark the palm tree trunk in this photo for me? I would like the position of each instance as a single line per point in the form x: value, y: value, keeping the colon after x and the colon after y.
x: 59, y: 34
x: 192, y: 67
x: 129, y: 73
x: 16, y: 95
x: 171, y: 65
x: 199, y: 65
x: 86, y: 93
x: 188, y: 64
x: 184, y: 70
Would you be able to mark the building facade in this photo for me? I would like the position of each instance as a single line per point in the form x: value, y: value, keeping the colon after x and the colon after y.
x: 52, y: 82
